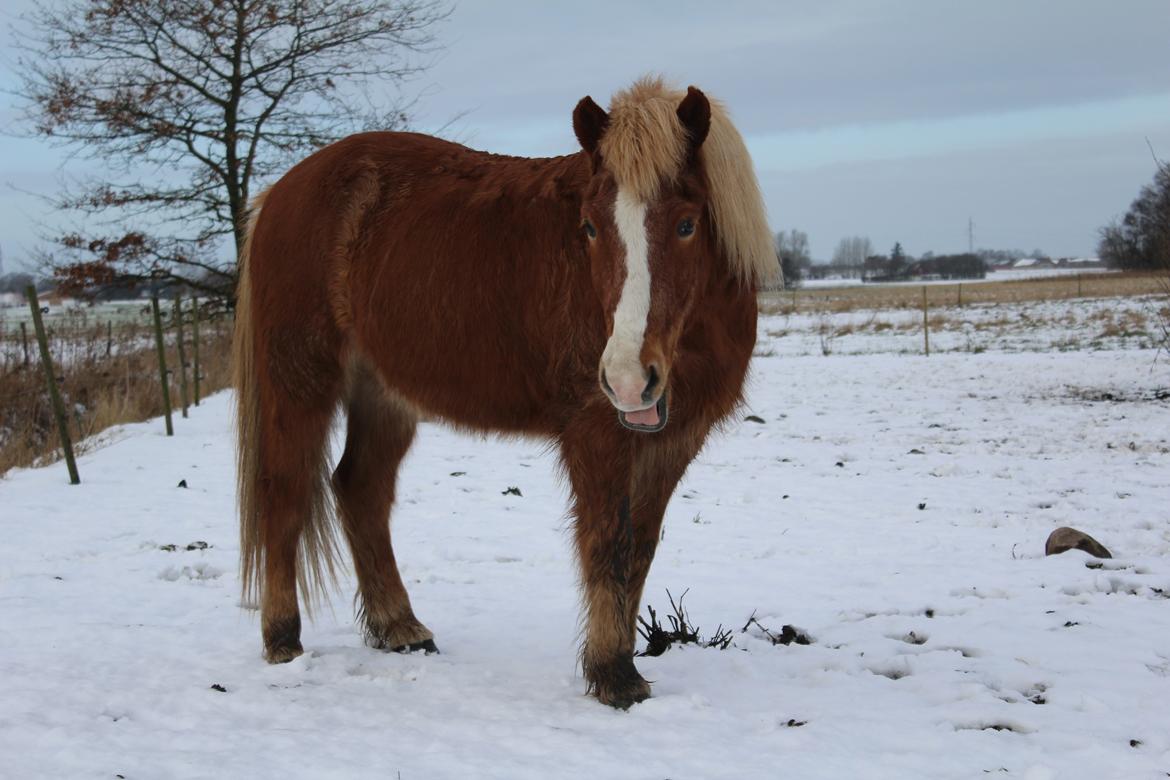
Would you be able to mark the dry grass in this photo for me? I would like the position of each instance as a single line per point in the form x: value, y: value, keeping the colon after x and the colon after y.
x: 877, y: 297
x: 107, y: 377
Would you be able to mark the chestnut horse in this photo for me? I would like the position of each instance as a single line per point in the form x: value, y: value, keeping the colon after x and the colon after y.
x: 604, y: 300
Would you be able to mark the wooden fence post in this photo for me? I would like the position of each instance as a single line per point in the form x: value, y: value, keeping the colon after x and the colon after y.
x: 109, y: 337
x: 925, y: 322
x: 51, y: 379
x: 195, y: 344
x: 162, y: 363
x: 1078, y: 285
x: 182, y: 349
x: 24, y: 340
x: 960, y: 295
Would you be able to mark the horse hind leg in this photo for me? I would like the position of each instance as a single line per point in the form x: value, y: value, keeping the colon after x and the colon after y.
x: 379, y: 431
x: 290, y: 542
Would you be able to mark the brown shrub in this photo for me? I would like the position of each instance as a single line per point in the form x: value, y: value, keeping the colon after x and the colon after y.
x: 107, y: 376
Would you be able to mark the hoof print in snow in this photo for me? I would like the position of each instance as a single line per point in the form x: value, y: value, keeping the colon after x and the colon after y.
x: 218, y: 687
x: 182, y: 483
x: 196, y: 573
x: 168, y: 547
x: 921, y: 505
x: 512, y: 491
x: 459, y: 473
x: 839, y: 464
x: 915, y: 451
x: 1065, y: 539
x: 754, y: 418
x: 197, y: 545
x: 793, y: 723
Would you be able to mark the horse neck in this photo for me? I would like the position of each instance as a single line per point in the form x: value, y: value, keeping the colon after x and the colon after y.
x: 562, y: 284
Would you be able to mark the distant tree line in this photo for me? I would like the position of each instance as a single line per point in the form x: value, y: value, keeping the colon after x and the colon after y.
x: 17, y: 281
x: 1140, y: 240
x: 118, y: 289
x: 898, y: 266
x: 1009, y: 256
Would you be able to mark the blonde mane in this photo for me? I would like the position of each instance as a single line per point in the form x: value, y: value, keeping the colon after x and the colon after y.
x: 645, y: 145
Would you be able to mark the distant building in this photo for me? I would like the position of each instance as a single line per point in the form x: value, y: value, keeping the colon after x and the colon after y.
x: 1080, y: 262
x: 1033, y: 262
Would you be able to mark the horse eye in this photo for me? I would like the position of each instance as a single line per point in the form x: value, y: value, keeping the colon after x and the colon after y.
x: 589, y: 229
x: 686, y: 228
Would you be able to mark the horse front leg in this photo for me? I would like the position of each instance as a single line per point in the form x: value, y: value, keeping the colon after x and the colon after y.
x: 659, y: 463
x: 605, y: 544
x: 599, y: 467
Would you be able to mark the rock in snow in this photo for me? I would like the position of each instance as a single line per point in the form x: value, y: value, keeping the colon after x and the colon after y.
x: 1065, y: 539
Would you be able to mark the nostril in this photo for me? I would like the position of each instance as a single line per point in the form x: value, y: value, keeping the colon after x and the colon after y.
x: 651, y: 386
x: 605, y: 385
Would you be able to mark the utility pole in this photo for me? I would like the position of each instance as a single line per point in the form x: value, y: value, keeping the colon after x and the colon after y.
x: 970, y: 236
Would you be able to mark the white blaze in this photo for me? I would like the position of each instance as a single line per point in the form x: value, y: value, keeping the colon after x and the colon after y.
x: 622, y: 359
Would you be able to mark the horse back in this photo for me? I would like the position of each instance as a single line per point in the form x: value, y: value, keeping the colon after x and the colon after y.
x: 458, y: 274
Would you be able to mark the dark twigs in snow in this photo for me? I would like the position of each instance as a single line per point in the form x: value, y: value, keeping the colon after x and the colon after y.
x: 788, y: 634
x: 658, y: 638
x: 679, y: 629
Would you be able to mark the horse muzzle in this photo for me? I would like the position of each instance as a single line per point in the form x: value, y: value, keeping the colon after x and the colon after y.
x: 633, y: 396
x: 649, y: 420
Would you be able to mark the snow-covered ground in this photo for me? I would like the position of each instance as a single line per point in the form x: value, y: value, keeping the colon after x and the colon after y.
x: 891, y: 506
x: 1031, y: 326
x: 1005, y: 275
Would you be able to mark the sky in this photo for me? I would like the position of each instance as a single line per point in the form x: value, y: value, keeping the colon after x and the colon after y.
x: 899, y: 121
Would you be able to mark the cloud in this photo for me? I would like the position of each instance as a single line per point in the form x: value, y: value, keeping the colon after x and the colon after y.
x: 932, y: 137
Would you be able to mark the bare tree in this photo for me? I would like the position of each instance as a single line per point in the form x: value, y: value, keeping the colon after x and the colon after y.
x: 1141, y: 239
x: 852, y: 251
x: 190, y: 103
x: 793, y: 244
x: 792, y: 252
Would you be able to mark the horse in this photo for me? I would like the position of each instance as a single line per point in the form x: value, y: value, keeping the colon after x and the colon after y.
x: 604, y: 301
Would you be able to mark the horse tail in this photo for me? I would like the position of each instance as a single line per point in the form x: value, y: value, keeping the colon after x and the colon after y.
x: 244, y: 380
x: 318, y: 544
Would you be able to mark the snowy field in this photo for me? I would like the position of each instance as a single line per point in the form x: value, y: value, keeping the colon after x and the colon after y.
x: 892, y: 507
x: 1007, y: 275
x: 1084, y: 324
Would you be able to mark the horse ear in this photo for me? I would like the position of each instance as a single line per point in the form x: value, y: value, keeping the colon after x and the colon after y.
x: 695, y: 114
x: 589, y: 122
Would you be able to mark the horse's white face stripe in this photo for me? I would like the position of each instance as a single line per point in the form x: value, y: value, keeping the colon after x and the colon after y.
x: 622, y: 358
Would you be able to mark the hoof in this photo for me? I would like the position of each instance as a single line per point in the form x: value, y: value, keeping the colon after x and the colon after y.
x: 624, y: 698
x: 403, y: 636
x: 426, y: 645
x: 282, y: 654
x: 282, y: 640
x: 618, y: 684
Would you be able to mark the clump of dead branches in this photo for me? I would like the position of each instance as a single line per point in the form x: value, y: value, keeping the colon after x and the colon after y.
x: 678, y: 629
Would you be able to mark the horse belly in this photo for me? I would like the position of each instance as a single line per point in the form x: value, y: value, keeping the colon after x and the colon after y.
x: 449, y: 350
